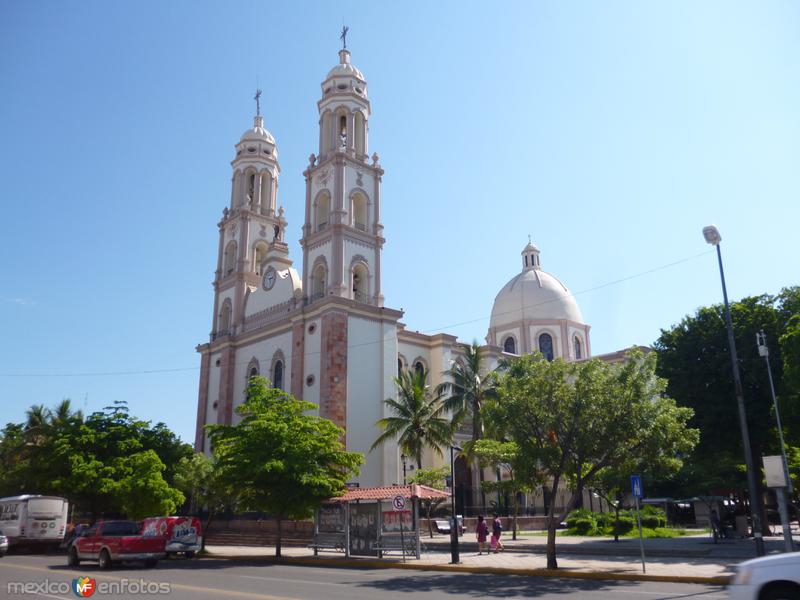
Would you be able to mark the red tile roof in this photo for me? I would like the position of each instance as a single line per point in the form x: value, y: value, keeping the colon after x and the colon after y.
x: 387, y: 493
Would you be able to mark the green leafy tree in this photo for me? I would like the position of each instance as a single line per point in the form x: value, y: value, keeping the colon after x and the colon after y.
x: 418, y: 421
x: 575, y: 419
x: 467, y: 387
x: 694, y: 358
x: 505, y: 456
x: 198, y: 478
x: 434, y: 478
x: 141, y: 491
x: 285, y: 462
x: 96, y: 462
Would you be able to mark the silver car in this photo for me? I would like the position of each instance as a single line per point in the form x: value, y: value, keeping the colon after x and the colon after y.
x: 3, y: 544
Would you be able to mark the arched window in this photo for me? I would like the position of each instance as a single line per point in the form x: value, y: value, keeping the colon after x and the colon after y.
x: 258, y: 257
x: 323, y: 210
x: 253, y: 372
x: 359, y: 211
x: 399, y: 366
x: 546, y: 346
x: 224, y: 322
x: 318, y: 283
x: 510, y: 345
x: 419, y: 368
x: 360, y: 133
x: 229, y: 261
x: 343, y: 131
x: 360, y: 283
x: 277, y: 375
x: 251, y: 188
x: 577, y: 343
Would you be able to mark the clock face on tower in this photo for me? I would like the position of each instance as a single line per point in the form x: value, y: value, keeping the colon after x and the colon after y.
x: 269, y: 279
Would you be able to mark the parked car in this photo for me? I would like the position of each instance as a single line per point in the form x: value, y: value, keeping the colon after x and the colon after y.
x: 773, y: 577
x: 110, y: 542
x: 183, y: 535
x: 3, y: 545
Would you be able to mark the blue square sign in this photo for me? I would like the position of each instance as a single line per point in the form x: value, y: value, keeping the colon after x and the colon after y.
x: 636, y: 486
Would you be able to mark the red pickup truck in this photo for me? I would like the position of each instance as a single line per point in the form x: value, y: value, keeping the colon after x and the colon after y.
x: 110, y: 542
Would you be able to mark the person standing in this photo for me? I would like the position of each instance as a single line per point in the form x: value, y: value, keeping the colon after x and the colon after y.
x: 497, y: 529
x: 481, y: 531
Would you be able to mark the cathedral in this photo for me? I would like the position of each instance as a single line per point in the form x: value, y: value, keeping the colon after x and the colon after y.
x: 321, y: 331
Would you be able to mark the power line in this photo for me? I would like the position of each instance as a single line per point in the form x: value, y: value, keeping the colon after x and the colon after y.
x: 371, y: 343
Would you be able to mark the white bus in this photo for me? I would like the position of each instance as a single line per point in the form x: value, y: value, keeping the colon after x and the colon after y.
x: 33, y: 519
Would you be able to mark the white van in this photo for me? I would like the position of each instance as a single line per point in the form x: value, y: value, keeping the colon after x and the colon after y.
x: 33, y: 519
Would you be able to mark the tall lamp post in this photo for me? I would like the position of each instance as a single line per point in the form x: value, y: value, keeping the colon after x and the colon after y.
x: 454, y: 557
x: 403, y: 458
x: 763, y: 350
x: 713, y: 237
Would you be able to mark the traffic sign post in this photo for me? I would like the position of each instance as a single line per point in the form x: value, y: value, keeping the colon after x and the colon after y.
x: 398, y: 504
x: 638, y: 492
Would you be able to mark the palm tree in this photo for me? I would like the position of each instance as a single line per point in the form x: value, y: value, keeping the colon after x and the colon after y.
x: 418, y: 420
x: 37, y: 420
x: 467, y: 388
x: 63, y: 414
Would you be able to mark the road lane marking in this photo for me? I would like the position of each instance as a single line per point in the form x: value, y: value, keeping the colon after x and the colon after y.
x: 217, y: 592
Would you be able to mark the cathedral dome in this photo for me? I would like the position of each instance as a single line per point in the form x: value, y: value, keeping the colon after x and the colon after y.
x: 345, y: 68
x: 257, y: 133
x: 533, y: 295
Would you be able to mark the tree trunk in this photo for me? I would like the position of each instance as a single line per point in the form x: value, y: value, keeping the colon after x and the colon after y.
x: 516, y: 512
x: 211, y: 515
x: 552, y: 563
x: 278, y: 541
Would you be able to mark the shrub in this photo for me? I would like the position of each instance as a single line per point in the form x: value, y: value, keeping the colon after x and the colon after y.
x: 653, y: 517
x: 625, y: 525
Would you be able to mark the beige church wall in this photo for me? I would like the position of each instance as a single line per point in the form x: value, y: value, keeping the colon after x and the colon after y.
x: 312, y: 361
x: 365, y: 395
x: 282, y: 293
x: 263, y: 351
x: 213, y: 394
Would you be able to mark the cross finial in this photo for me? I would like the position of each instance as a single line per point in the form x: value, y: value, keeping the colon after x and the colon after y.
x: 343, y: 37
x: 257, y: 98
x: 529, y: 238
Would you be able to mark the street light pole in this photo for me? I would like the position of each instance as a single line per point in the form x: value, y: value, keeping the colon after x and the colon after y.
x: 454, y: 556
x: 713, y: 237
x: 763, y: 350
x: 403, y: 458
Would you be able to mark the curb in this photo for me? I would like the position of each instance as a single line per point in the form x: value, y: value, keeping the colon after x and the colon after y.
x: 557, y: 573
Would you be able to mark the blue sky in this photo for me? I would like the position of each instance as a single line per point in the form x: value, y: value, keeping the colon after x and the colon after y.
x: 611, y: 132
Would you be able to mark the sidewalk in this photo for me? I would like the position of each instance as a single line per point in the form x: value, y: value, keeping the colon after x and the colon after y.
x: 690, y: 559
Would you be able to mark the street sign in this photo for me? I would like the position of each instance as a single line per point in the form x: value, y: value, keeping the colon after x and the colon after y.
x: 398, y: 502
x: 636, y: 486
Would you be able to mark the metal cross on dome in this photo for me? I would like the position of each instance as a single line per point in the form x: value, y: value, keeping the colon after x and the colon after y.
x: 343, y: 37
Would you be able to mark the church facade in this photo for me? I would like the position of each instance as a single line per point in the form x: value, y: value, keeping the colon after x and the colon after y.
x: 322, y: 331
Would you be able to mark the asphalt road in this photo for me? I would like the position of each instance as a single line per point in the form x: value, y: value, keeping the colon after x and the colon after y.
x: 49, y: 577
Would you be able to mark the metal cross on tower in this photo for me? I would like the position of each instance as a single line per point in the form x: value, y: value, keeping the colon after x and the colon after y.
x: 343, y: 37
x: 257, y: 98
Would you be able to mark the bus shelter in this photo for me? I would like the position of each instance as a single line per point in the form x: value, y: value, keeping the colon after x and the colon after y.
x: 373, y: 521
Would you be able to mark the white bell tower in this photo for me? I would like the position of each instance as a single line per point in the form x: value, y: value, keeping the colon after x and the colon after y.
x: 342, y: 234
x: 252, y: 227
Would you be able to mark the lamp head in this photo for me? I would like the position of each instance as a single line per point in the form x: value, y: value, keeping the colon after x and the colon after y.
x: 761, y: 342
x: 711, y: 233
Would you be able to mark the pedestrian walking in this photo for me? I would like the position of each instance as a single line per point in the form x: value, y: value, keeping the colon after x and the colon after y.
x: 481, y: 531
x: 497, y: 529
